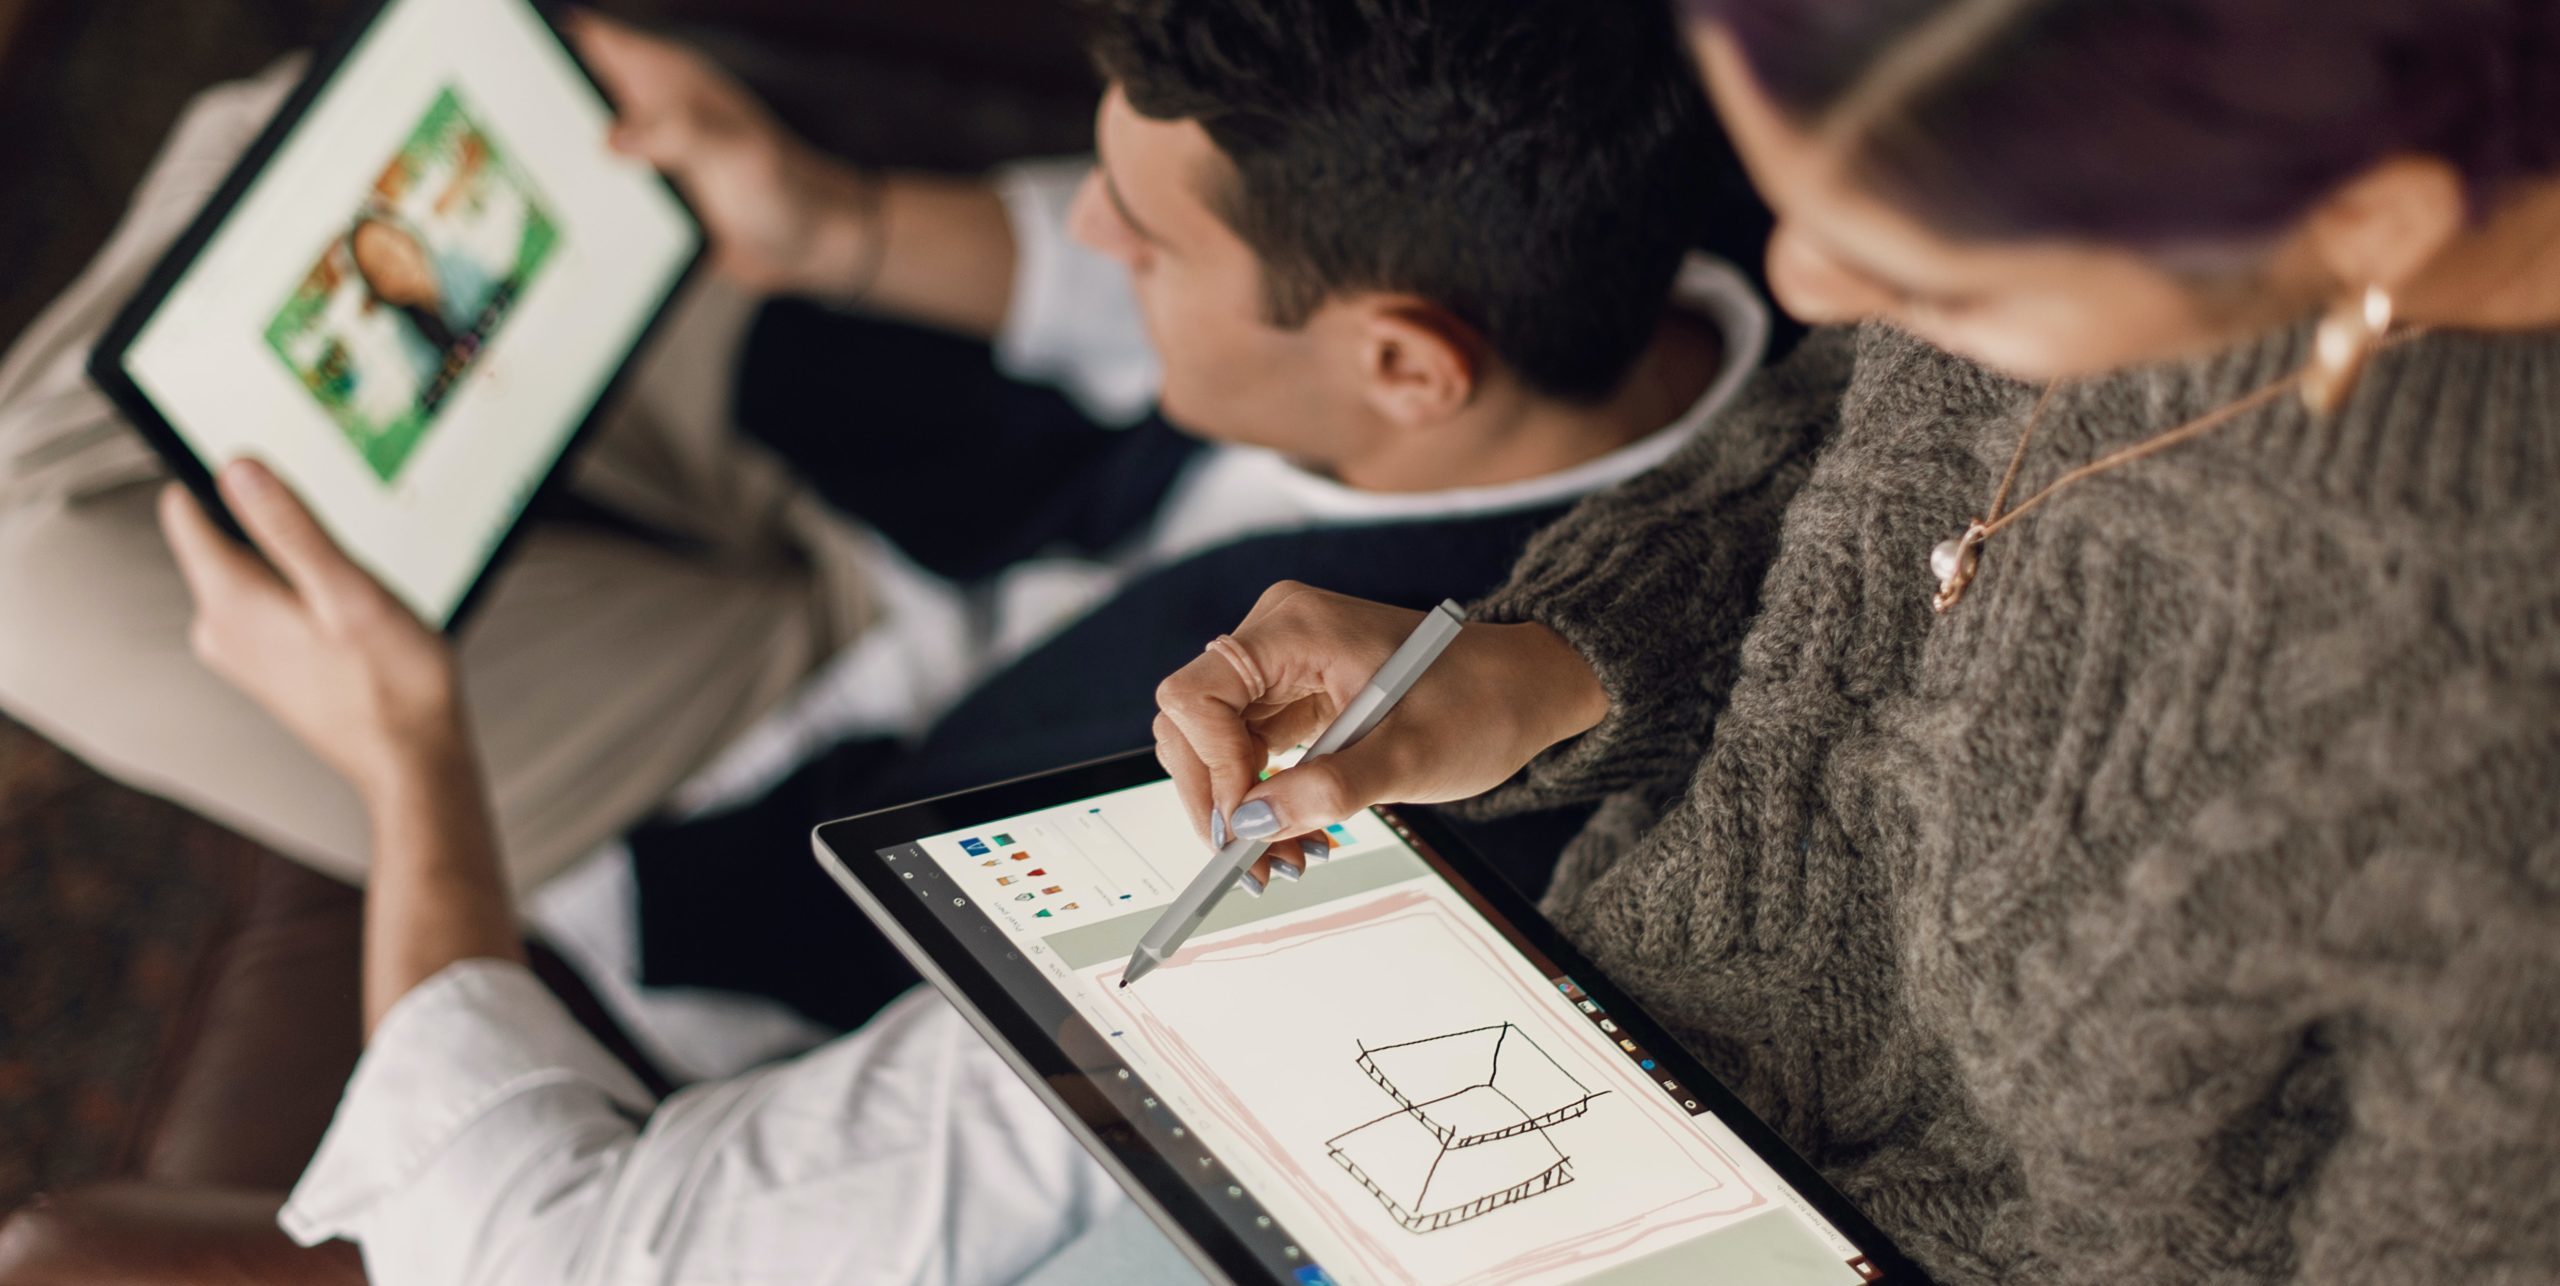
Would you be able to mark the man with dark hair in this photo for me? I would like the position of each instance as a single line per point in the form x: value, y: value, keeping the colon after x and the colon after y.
x: 1337, y: 132
x: 1408, y: 275
x: 1410, y: 264
x: 1367, y: 288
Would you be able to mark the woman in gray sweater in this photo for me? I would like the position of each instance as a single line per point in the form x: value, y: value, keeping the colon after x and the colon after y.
x: 2152, y: 879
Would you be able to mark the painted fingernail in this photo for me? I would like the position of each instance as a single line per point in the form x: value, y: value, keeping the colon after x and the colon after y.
x: 1249, y: 884
x: 1283, y: 870
x: 1256, y: 820
x: 1315, y: 848
x: 1217, y: 829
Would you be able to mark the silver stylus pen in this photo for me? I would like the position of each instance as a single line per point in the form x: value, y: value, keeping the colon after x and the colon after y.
x: 1439, y: 628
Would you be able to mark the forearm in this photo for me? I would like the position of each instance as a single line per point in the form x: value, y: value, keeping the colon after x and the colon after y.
x: 922, y: 248
x: 436, y: 894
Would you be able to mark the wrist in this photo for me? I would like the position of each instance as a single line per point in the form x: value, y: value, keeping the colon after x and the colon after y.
x: 1575, y: 702
x: 427, y: 765
x: 848, y: 237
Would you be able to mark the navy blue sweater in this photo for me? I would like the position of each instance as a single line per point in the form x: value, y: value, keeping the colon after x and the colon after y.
x: 976, y: 477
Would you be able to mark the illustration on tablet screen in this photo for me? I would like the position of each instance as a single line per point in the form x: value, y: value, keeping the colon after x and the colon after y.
x: 410, y: 290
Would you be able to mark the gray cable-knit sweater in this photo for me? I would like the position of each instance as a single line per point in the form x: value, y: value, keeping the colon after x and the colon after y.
x: 2185, y: 907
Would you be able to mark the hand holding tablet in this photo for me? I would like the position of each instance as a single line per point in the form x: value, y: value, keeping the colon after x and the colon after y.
x: 412, y: 294
x: 774, y: 206
x: 311, y: 638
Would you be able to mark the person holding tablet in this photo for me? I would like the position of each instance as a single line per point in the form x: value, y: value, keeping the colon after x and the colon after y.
x: 2119, y: 850
x: 1344, y: 365
x: 714, y: 570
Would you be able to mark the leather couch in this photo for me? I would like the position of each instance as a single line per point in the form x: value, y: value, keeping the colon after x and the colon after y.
x: 245, y: 1088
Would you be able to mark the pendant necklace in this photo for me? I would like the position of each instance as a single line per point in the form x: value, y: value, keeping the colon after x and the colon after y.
x: 1957, y: 559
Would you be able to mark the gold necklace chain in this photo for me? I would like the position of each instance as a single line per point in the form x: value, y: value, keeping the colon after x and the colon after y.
x: 1955, y: 561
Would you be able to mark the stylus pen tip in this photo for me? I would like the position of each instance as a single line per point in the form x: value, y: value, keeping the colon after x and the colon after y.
x: 1140, y: 965
x: 1124, y: 984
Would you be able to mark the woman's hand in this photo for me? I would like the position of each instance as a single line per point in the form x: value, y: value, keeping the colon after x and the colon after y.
x: 1500, y: 695
x: 314, y: 639
x: 782, y: 217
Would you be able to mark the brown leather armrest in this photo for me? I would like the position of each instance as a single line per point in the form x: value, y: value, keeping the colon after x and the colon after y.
x: 249, y: 1083
x: 143, y: 1234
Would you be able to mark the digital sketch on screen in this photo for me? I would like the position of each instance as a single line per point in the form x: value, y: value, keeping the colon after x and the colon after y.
x: 1473, y: 1127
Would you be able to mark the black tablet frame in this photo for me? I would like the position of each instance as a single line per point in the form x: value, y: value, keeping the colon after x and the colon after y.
x: 849, y: 849
x: 106, y: 360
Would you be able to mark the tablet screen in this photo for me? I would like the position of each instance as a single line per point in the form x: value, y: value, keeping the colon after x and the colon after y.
x: 417, y: 302
x: 1384, y: 1079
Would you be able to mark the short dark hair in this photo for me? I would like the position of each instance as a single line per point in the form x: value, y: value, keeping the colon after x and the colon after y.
x: 2164, y: 125
x: 1536, y: 167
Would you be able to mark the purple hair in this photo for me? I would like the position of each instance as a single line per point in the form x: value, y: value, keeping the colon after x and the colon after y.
x: 2165, y: 124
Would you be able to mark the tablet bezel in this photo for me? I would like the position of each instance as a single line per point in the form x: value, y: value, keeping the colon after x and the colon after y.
x: 107, y: 360
x: 1152, y: 1178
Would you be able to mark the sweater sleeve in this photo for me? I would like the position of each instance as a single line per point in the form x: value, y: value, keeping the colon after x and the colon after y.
x: 1655, y: 583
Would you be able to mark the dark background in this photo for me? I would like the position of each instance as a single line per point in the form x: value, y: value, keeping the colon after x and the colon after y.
x: 109, y: 900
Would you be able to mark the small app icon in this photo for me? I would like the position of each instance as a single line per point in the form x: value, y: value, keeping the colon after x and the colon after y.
x: 1054, y: 888
x: 1003, y: 880
x: 989, y: 862
x: 1040, y: 915
x: 1037, y: 871
x: 1004, y: 841
x: 974, y: 847
x: 1070, y: 906
x: 1689, y: 1103
x: 1022, y: 857
x: 1646, y: 1064
x: 1588, y: 1006
x: 1673, y: 1086
x: 1606, y: 1025
x: 1025, y: 897
x: 1627, y: 1045
x: 1310, y: 1275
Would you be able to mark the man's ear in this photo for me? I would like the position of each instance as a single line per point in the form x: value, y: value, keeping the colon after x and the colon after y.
x: 1419, y: 365
x: 2389, y: 222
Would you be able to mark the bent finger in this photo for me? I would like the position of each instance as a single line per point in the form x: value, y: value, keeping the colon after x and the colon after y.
x: 617, y: 53
x: 1190, y: 779
x: 1206, y: 701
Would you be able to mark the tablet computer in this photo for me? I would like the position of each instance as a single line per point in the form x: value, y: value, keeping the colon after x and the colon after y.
x: 411, y: 294
x: 1391, y: 1071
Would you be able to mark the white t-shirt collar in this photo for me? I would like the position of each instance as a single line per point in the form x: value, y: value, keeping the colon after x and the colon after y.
x: 1706, y: 285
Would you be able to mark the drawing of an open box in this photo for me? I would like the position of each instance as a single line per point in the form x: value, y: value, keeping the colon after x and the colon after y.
x: 1469, y: 1133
